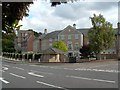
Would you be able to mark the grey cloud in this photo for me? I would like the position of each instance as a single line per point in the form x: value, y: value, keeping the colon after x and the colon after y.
x: 70, y: 11
x: 74, y: 11
x: 101, y: 6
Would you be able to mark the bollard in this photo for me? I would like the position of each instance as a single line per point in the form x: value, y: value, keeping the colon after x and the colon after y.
x: 29, y: 60
x: 39, y: 60
x: 104, y: 57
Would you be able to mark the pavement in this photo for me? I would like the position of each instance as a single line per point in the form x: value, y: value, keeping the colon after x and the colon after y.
x: 63, y: 76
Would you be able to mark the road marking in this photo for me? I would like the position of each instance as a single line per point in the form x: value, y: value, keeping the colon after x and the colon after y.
x: 6, y: 82
x: 68, y: 69
x: 51, y: 85
x: 31, y: 73
x: 39, y: 66
x: 2, y: 71
x: 6, y: 65
x: 18, y: 76
x: 92, y: 79
x: 41, y: 72
x: 97, y: 70
x: 99, y: 66
x: 5, y: 68
x: 18, y: 68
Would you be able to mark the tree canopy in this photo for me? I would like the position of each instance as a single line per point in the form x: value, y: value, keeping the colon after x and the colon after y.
x: 86, y: 51
x: 59, y: 2
x: 101, y: 35
x: 12, y: 12
x: 60, y: 45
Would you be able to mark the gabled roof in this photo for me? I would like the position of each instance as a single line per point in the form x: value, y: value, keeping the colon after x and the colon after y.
x: 69, y: 26
x: 52, y: 51
x: 84, y: 31
x: 52, y: 34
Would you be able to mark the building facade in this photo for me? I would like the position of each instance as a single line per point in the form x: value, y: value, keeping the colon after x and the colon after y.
x: 24, y: 41
x: 74, y: 38
x: 70, y: 35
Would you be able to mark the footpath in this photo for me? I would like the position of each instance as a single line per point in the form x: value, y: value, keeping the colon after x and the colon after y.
x: 10, y: 60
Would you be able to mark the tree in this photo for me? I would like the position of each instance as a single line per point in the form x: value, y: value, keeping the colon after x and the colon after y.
x: 101, y: 35
x: 59, y: 2
x: 8, y: 42
x: 60, y: 45
x: 12, y: 12
x: 86, y: 51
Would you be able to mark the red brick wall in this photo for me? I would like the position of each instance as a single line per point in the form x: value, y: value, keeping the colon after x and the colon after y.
x: 30, y: 43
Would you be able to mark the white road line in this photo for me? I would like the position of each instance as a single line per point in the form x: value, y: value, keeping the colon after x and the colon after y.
x: 5, y: 68
x: 6, y: 65
x: 55, y: 67
x: 2, y: 71
x: 39, y: 66
x: 97, y: 70
x: 6, y: 82
x: 92, y: 79
x: 18, y: 76
x: 41, y: 72
x: 99, y: 66
x: 18, y: 68
x: 31, y: 73
x: 51, y: 85
x: 68, y: 69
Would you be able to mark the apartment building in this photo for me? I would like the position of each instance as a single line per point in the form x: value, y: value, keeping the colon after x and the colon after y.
x: 70, y: 35
x: 24, y: 41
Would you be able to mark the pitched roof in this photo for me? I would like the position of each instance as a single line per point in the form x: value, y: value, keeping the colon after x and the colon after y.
x: 84, y: 31
x: 52, y: 34
x: 52, y: 51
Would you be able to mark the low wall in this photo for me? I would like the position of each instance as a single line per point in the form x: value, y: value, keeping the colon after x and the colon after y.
x: 108, y: 56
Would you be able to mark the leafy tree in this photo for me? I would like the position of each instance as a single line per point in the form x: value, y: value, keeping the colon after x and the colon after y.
x: 101, y: 35
x: 60, y: 45
x: 12, y: 12
x: 86, y: 51
x: 59, y: 2
x: 8, y: 42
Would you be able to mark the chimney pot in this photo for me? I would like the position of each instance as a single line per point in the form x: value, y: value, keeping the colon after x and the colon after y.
x: 74, y: 25
x: 45, y: 31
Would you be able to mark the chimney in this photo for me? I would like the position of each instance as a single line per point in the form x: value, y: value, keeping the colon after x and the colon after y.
x: 74, y: 25
x: 45, y: 31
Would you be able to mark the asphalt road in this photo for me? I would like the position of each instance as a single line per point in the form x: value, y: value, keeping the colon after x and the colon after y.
x: 61, y: 76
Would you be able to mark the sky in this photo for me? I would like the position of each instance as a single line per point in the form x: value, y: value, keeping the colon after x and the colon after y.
x: 43, y: 16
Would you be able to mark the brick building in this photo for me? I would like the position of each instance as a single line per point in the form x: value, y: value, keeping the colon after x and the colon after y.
x: 24, y: 41
x: 70, y: 35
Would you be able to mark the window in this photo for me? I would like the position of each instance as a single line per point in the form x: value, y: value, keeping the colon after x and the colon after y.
x: 50, y: 39
x: 76, y: 46
x: 50, y: 44
x: 62, y: 37
x: 69, y: 36
x: 76, y: 36
x: 69, y: 46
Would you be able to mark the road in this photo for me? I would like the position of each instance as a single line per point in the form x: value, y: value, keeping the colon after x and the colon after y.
x: 63, y: 76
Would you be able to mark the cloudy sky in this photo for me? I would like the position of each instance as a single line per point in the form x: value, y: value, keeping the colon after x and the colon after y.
x: 42, y: 15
